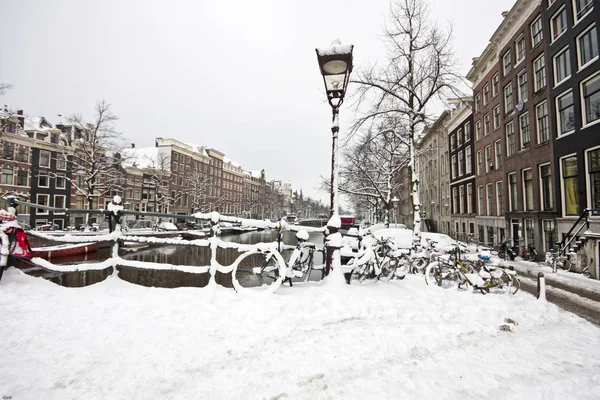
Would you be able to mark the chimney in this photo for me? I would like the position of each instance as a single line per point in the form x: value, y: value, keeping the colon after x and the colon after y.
x: 133, y: 145
x: 21, y: 118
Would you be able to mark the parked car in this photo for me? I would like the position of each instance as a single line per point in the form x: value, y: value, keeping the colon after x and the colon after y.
x: 182, y: 226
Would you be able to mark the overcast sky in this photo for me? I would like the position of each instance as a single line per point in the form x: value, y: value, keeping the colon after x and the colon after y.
x: 240, y: 76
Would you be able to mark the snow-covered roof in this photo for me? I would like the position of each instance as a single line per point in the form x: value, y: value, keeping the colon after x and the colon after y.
x: 37, y: 124
x: 143, y: 157
x: 228, y: 161
x: 196, y: 148
x: 256, y: 174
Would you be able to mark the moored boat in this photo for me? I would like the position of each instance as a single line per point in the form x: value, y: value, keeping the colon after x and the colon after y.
x: 64, y: 250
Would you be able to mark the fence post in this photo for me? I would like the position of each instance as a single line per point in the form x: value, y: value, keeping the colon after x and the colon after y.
x: 541, y: 286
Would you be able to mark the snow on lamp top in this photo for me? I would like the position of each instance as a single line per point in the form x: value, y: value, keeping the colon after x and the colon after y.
x: 336, y: 47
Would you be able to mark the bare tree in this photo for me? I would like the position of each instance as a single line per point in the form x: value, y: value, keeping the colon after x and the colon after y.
x: 91, y: 154
x: 419, y: 69
x: 371, y: 168
x: 8, y: 118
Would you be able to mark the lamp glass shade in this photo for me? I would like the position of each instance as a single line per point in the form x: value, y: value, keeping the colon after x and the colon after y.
x: 334, y: 83
x: 335, y: 67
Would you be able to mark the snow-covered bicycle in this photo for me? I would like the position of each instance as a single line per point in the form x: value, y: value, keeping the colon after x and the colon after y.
x: 380, y: 260
x: 264, y: 268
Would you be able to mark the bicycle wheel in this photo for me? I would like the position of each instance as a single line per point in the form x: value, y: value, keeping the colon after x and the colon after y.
x: 418, y: 265
x: 255, y: 269
x: 433, y: 274
x: 511, y: 283
x: 388, y: 269
x: 565, y: 264
x: 360, y: 272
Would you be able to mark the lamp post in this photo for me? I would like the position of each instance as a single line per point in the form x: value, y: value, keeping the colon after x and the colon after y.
x: 335, y: 64
x: 395, y: 202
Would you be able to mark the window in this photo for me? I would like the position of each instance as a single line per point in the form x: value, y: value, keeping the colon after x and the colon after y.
x: 587, y: 47
x: 468, y: 157
x: 506, y: 63
x: 454, y: 200
x: 459, y: 138
x: 60, y: 181
x: 566, y: 116
x: 42, y: 200
x: 539, y: 73
x: 512, y: 191
x: 524, y: 130
x: 467, y: 132
x: 7, y: 176
x: 571, y: 190
x: 44, y: 159
x: 495, y: 83
x: 480, y: 199
x: 581, y: 8
x: 176, y: 156
x: 23, y: 154
x: 490, y: 196
x: 461, y: 163
x: 43, y: 180
x: 546, y: 186
x: 558, y: 24
x: 508, y: 98
x: 477, y: 101
x: 499, y: 198
x: 479, y: 162
x: 541, y: 116
x: 528, y: 189
x: 59, y: 202
x: 22, y: 178
x: 478, y: 130
x: 522, y: 81
x: 486, y: 94
x: 594, y: 177
x: 469, y: 198
x: 462, y: 199
x: 498, y: 151
x: 488, y: 159
x: 175, y: 167
x: 137, y: 193
x: 486, y: 124
x: 590, y: 93
x: 80, y: 201
x: 537, y: 35
x: 9, y: 151
x: 562, y: 66
x: 496, y: 117
x: 510, y: 139
x: 61, y: 163
x: 452, y: 142
x: 519, y: 49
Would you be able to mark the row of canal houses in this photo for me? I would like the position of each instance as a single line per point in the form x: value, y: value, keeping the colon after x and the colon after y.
x: 520, y: 159
x: 38, y: 163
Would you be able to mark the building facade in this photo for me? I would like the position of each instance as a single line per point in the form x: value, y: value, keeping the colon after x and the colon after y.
x: 462, y: 177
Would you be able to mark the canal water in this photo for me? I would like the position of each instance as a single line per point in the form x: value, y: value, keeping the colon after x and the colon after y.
x: 175, y: 255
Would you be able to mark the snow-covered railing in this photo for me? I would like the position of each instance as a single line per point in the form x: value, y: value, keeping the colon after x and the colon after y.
x: 114, y: 212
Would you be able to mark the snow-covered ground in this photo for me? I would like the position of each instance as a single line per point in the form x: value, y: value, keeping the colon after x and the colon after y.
x: 396, y: 340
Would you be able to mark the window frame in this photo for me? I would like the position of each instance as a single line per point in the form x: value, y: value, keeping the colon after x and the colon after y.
x: 553, y: 36
x: 541, y: 181
x: 587, y: 30
x: 506, y: 66
x: 500, y: 198
x: 559, y: 133
x: 41, y: 211
x: 537, y: 123
x: 576, y: 14
x: 514, y: 142
x: 588, y: 181
x: 495, y: 85
x: 523, y: 52
x: 562, y: 185
x: 43, y: 152
x: 540, y: 32
x: 558, y: 54
x: 537, y: 71
x: 524, y: 182
x: 497, y: 155
x: 64, y: 197
x: 522, y: 144
x: 508, y: 109
x: 584, y: 122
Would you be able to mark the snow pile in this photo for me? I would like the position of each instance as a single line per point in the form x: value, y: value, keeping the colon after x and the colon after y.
x: 396, y: 340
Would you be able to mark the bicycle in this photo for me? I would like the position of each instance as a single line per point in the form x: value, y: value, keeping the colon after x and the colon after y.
x: 495, y: 276
x: 380, y: 261
x: 421, y: 260
x: 445, y: 272
x: 554, y: 260
x: 264, y: 268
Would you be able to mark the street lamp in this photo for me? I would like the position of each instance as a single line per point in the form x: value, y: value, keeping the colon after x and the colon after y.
x: 335, y: 64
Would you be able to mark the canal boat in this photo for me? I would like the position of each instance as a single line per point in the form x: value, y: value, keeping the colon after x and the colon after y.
x: 64, y: 250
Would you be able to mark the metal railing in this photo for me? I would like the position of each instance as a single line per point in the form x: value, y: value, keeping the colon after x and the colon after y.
x: 118, y: 237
